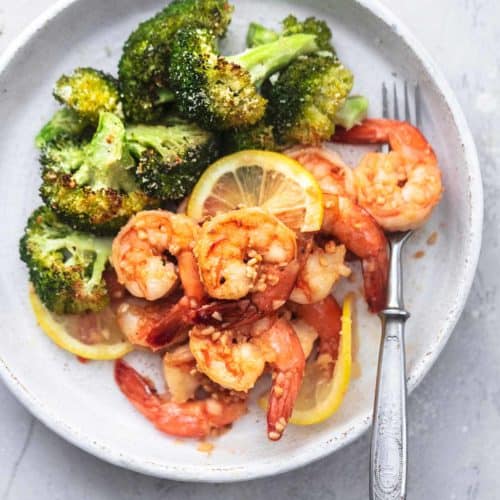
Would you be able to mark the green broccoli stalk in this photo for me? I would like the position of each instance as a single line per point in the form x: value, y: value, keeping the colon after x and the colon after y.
x: 353, y: 112
x: 222, y: 92
x: 170, y: 159
x: 306, y: 97
x: 143, y: 66
x: 66, y: 267
x: 92, y: 186
x: 64, y: 124
x: 258, y: 34
x: 88, y: 92
x: 259, y: 136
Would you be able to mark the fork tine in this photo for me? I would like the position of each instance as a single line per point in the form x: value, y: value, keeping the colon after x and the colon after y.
x: 407, y: 104
x: 385, y: 101
x: 418, y: 106
x: 395, y: 103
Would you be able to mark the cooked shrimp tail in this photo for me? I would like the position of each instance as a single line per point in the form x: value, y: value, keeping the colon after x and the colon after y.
x: 195, y: 419
x: 375, y: 276
x: 402, y: 137
x: 158, y: 324
x: 172, y: 326
x: 286, y: 357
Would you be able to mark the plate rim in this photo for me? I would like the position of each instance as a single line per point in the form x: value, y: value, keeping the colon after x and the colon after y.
x: 212, y: 473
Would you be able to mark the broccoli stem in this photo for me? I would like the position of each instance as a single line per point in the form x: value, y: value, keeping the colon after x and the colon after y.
x: 259, y: 35
x: 353, y: 112
x: 264, y: 60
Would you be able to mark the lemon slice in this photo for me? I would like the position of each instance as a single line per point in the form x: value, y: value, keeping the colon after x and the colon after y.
x: 320, y: 398
x: 91, y: 336
x: 264, y: 179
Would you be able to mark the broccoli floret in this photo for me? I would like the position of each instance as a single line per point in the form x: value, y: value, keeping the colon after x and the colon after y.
x: 353, y: 112
x: 259, y: 136
x: 66, y: 267
x: 170, y: 159
x: 305, y: 98
x: 222, y: 92
x: 64, y: 124
x: 143, y: 65
x: 91, y: 186
x: 258, y: 34
x: 311, y: 25
x: 88, y: 92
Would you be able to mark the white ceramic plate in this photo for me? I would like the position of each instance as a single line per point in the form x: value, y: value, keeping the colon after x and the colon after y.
x: 81, y: 402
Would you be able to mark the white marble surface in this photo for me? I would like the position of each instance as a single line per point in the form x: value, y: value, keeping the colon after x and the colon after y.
x: 455, y: 413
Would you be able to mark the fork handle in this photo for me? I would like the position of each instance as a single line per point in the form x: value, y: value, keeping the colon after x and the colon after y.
x: 389, y: 452
x: 388, y: 460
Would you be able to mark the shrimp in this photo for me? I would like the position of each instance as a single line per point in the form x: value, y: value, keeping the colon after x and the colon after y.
x: 306, y: 334
x: 236, y: 358
x: 158, y: 324
x: 227, y: 356
x: 196, y: 418
x: 321, y: 270
x: 248, y: 251
x: 281, y: 348
x: 401, y: 188
x: 345, y: 220
x: 181, y: 377
x: 325, y: 318
x: 144, y: 250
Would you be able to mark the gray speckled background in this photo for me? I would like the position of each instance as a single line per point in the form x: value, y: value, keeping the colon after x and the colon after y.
x: 454, y: 414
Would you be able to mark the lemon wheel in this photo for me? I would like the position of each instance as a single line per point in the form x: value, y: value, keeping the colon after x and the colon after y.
x: 263, y: 179
x: 93, y: 336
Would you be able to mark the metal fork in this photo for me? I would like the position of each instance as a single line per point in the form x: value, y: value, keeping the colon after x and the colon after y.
x: 388, y: 459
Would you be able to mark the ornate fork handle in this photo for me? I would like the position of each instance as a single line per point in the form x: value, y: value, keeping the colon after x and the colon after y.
x: 389, y: 448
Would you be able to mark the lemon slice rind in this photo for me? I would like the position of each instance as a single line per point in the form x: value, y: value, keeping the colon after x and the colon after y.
x: 329, y: 397
x: 283, y: 186
x: 56, y: 332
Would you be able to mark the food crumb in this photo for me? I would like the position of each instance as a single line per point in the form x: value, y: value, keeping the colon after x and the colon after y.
x: 205, y: 447
x: 82, y: 360
x: 419, y: 254
x: 431, y: 240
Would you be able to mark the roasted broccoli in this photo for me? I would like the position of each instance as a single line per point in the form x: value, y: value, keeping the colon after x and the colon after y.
x: 170, y: 159
x: 258, y: 34
x: 305, y: 98
x: 143, y: 65
x: 65, y: 266
x: 64, y: 124
x: 88, y: 92
x: 353, y: 112
x: 259, y: 136
x: 222, y: 92
x: 91, y: 186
